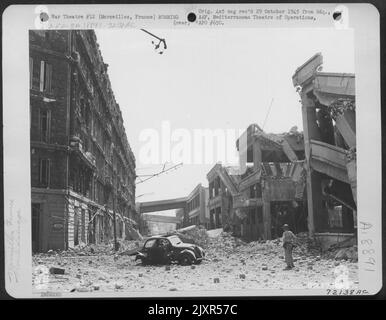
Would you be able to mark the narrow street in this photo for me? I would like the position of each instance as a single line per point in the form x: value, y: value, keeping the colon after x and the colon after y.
x: 230, y: 264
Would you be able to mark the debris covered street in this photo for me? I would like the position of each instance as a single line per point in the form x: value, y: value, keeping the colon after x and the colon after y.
x: 230, y: 264
x: 101, y: 222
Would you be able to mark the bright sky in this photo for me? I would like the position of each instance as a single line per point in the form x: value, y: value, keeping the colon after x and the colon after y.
x: 218, y: 78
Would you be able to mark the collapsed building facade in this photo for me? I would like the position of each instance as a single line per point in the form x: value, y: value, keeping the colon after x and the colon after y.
x: 255, y: 199
x: 328, y: 111
x: 306, y: 180
x: 271, y: 184
x: 82, y: 167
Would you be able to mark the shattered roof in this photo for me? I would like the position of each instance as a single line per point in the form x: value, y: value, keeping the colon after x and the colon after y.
x: 234, y: 173
x: 293, y: 137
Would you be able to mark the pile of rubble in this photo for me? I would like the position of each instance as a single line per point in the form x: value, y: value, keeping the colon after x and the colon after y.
x: 308, y: 245
x: 193, y: 234
x: 347, y: 253
x: 106, y: 248
x: 223, y: 245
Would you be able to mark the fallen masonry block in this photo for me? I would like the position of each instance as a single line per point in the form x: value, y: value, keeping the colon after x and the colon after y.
x: 140, y: 275
x: 55, y: 270
x: 264, y: 268
x: 193, y: 267
x: 216, y: 280
x: 167, y: 268
x: 118, y: 286
x: 96, y: 288
x: 242, y: 276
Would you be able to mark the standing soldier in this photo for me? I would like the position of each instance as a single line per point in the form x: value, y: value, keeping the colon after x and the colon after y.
x: 288, y: 243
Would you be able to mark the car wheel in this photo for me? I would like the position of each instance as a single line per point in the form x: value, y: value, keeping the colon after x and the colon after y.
x: 186, y: 260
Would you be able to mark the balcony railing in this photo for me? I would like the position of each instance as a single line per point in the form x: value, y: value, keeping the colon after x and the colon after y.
x: 77, y: 146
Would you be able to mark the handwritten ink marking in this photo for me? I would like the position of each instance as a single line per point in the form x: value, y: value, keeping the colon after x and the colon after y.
x: 157, y: 46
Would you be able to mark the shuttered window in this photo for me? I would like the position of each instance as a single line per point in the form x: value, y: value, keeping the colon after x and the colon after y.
x: 45, y: 77
x: 45, y: 125
x: 44, y: 174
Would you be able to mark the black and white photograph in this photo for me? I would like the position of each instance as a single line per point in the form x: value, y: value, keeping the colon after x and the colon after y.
x: 201, y: 160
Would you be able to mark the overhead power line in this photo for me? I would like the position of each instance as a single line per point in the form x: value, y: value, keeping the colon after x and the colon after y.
x: 266, y: 117
x: 150, y: 176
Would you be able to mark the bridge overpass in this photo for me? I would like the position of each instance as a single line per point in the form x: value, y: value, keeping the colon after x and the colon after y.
x: 161, y: 218
x: 161, y: 205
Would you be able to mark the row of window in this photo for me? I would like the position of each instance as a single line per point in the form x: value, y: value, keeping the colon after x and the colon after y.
x: 194, y: 203
x: 194, y: 221
x: 214, y: 188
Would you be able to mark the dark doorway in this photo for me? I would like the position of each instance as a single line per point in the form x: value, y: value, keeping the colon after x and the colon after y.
x: 287, y: 212
x: 212, y: 219
x: 91, y: 227
x: 35, y: 223
x: 83, y: 222
x: 218, y: 217
x: 76, y: 228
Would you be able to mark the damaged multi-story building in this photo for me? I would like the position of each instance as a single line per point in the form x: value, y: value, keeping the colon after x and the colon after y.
x: 270, y: 190
x: 82, y: 167
x: 265, y: 191
x: 328, y: 111
x: 196, y: 211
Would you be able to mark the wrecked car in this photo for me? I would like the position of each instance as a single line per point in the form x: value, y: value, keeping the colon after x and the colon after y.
x: 169, y: 249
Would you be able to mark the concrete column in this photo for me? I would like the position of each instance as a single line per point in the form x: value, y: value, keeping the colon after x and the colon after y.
x: 346, y: 126
x: 352, y: 176
x: 310, y: 131
x: 243, y: 146
x: 257, y: 158
x: 317, y: 220
x: 267, y: 219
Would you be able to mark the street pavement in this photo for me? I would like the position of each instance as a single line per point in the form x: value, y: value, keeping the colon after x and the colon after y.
x: 230, y: 264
